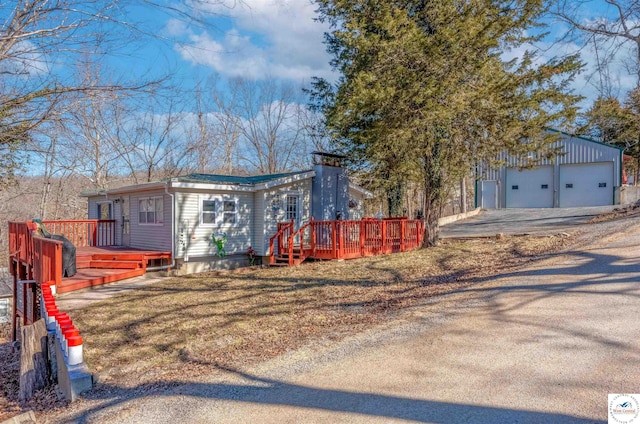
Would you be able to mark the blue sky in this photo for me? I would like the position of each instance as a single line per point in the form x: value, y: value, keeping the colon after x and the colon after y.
x: 258, y: 39
x: 279, y: 39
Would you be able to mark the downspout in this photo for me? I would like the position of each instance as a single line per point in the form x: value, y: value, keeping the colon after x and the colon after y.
x: 173, y: 234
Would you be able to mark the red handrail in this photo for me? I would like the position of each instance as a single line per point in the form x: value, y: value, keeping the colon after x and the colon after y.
x: 350, y: 239
x: 284, y: 230
x: 85, y: 232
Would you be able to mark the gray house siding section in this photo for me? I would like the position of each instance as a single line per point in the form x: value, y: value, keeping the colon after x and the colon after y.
x: 194, y: 238
x: 330, y: 190
x: 152, y: 237
x: 92, y: 207
x: 575, y: 150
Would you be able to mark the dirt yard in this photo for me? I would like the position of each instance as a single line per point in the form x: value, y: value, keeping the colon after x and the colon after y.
x: 184, y: 327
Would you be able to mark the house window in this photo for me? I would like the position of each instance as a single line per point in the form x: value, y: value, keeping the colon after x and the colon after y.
x: 208, y: 211
x: 216, y: 212
x: 229, y: 212
x: 150, y: 211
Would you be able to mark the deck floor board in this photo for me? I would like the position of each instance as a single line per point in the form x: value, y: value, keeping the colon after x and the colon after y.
x: 91, y: 277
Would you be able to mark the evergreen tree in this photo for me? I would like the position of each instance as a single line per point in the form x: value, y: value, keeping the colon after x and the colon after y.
x: 424, y: 93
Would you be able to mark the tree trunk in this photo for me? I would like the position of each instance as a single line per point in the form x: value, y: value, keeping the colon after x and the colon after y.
x: 394, y: 199
x: 431, y: 228
x: 463, y: 195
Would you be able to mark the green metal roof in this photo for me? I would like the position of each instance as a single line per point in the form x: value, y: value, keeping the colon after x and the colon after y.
x: 233, y: 179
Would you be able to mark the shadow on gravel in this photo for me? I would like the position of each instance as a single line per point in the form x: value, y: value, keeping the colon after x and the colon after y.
x: 259, y: 390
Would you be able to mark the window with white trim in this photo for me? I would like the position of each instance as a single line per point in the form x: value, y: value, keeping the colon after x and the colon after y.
x: 218, y: 211
x: 150, y: 211
x: 208, y: 214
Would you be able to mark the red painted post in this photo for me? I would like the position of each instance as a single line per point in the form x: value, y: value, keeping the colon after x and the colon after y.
x: 14, y: 327
x: 313, y: 238
x: 362, y: 230
x: 402, y: 233
x: 334, y: 250
x: 383, y: 231
x: 94, y: 234
x: 291, y: 235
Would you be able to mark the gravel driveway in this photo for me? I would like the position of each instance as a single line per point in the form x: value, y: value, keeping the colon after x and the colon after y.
x: 522, y: 221
x: 541, y: 344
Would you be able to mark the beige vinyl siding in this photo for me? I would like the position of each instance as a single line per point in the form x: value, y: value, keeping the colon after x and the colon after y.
x: 194, y: 238
x: 146, y: 236
x: 271, y: 217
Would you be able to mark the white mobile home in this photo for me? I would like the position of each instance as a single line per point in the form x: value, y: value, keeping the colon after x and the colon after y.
x: 181, y: 214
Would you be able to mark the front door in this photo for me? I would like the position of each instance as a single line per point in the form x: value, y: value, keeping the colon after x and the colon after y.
x: 103, y: 233
x: 292, y: 212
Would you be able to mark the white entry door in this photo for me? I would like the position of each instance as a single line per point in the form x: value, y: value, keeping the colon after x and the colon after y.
x: 489, y: 194
x: 530, y: 188
x: 586, y: 184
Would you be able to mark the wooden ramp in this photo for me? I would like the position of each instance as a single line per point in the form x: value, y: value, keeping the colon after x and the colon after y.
x: 103, y: 265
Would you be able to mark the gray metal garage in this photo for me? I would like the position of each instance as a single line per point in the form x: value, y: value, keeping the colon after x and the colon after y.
x: 589, y: 173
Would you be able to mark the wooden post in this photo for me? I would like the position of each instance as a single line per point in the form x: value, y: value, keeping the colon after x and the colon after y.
x: 272, y: 258
x: 383, y: 231
x: 94, y: 234
x: 402, y: 233
x: 334, y: 250
x: 313, y: 238
x: 14, y: 319
x: 57, y: 265
x: 291, y: 234
x: 362, y: 238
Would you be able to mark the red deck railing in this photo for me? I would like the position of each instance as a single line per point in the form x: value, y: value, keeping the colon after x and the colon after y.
x: 87, y: 232
x: 279, y: 240
x: 34, y: 260
x: 347, y: 239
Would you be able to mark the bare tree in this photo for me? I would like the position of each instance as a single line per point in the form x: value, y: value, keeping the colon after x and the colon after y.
x: 271, y: 124
x: 38, y: 38
x: 620, y: 26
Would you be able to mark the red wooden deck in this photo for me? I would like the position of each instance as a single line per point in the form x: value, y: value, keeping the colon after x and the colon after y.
x: 343, y: 239
x: 102, y: 265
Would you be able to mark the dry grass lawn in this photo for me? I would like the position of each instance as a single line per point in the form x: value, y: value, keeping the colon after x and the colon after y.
x: 175, y: 330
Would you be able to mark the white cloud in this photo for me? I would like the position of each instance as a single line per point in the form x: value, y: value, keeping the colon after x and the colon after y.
x: 269, y: 38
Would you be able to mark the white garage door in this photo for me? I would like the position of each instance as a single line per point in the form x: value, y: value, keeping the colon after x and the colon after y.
x: 530, y: 188
x: 586, y: 184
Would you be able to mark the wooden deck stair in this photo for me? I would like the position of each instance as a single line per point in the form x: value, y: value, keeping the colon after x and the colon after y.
x: 95, y: 268
x: 298, y: 257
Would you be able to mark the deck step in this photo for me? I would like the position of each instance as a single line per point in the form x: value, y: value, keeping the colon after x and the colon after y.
x: 119, y: 256
x: 83, y: 263
x: 83, y: 279
x: 116, y: 264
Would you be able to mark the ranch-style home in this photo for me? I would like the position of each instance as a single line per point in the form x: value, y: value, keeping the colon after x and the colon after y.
x: 180, y: 215
x: 586, y: 173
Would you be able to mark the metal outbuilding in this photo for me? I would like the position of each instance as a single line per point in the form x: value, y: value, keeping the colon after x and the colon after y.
x: 586, y: 173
